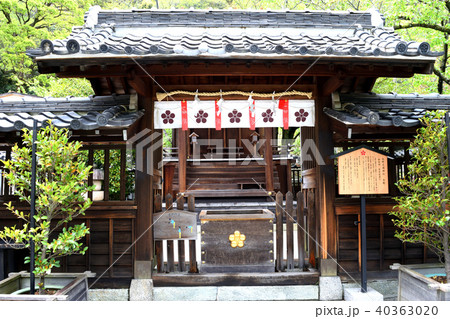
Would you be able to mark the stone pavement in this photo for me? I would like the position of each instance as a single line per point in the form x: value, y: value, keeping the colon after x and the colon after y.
x: 388, y: 288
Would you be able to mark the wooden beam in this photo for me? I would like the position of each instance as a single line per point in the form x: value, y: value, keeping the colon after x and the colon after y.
x: 237, y: 67
x: 110, y: 85
x: 96, y: 85
x: 139, y: 84
x: 332, y: 84
x: 124, y: 85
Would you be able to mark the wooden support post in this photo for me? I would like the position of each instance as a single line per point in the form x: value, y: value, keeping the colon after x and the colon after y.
x: 301, y: 231
x: 363, y: 227
x: 88, y: 243
x: 182, y: 156
x: 170, y: 256
x: 106, y: 178
x: 123, y: 172
x: 326, y: 224
x: 169, y: 202
x: 192, y: 257
x: 268, y: 158
x: 289, y: 211
x: 158, y: 203
x: 181, y: 256
x: 281, y: 169
x: 289, y: 176
x: 144, y: 200
x: 192, y: 246
x: 312, y: 228
x: 191, y: 203
x: 279, y: 230
x: 382, y: 242
x: 159, y: 255
x: 111, y: 246
x: 91, y: 177
x: 169, y: 172
x: 6, y: 190
x: 180, y: 202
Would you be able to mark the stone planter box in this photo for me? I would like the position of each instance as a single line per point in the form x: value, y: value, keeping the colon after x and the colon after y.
x: 74, y: 287
x: 414, y: 285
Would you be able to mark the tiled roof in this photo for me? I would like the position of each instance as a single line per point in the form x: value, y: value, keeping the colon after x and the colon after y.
x: 72, y: 112
x: 403, y: 110
x: 211, y: 33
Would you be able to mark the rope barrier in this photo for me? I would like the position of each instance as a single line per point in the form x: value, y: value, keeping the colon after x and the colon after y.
x: 162, y: 96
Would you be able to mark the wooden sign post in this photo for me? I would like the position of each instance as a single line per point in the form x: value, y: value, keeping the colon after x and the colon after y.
x: 362, y: 171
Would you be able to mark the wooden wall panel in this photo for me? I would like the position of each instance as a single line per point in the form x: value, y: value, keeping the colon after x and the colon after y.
x: 383, y: 249
x: 110, y: 241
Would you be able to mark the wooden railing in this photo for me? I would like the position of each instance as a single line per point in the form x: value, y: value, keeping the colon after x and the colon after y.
x: 181, y: 263
x: 294, y: 241
x: 304, y: 217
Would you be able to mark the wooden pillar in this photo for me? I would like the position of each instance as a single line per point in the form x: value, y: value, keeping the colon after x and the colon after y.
x: 289, y: 176
x: 325, y: 179
x: 144, y: 201
x: 182, y: 155
x: 268, y: 158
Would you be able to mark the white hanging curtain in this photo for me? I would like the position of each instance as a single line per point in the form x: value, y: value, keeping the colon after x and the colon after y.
x: 234, y: 113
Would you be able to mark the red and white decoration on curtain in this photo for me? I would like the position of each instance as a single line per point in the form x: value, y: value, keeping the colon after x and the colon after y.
x: 234, y: 113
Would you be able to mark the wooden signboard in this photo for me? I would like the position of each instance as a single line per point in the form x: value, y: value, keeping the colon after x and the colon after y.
x: 175, y: 224
x: 362, y: 171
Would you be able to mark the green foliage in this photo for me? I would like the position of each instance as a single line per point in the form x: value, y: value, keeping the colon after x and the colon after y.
x: 114, y: 170
x: 23, y: 24
x: 60, y: 196
x: 428, y: 21
x: 61, y: 87
x: 422, y: 215
x: 167, y: 137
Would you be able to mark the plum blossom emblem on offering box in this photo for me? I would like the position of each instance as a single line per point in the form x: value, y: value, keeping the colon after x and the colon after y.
x: 237, y: 239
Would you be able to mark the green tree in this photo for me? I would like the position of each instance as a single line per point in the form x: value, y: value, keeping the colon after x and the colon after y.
x: 424, y: 21
x: 422, y: 214
x: 60, y: 196
x: 23, y: 24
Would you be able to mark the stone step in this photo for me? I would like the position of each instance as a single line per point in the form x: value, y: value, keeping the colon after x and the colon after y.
x: 237, y: 293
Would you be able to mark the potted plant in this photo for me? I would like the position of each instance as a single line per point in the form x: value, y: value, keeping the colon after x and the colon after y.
x: 60, y: 189
x: 422, y: 215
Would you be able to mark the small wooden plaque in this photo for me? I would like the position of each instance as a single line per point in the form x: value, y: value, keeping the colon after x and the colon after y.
x: 175, y: 224
x: 362, y: 171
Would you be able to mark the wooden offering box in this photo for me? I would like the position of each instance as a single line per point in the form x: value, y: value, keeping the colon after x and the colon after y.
x: 237, y: 241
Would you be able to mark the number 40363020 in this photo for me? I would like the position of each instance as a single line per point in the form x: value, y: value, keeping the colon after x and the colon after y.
x: 407, y: 310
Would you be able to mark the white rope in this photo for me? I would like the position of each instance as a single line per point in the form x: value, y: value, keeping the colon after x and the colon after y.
x: 161, y: 96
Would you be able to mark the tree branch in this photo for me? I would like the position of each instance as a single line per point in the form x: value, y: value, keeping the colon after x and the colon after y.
x: 422, y: 25
x: 440, y: 75
x: 7, y: 16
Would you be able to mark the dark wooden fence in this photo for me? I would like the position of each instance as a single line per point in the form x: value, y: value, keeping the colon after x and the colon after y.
x: 302, y: 214
x: 304, y: 217
x: 185, y: 263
